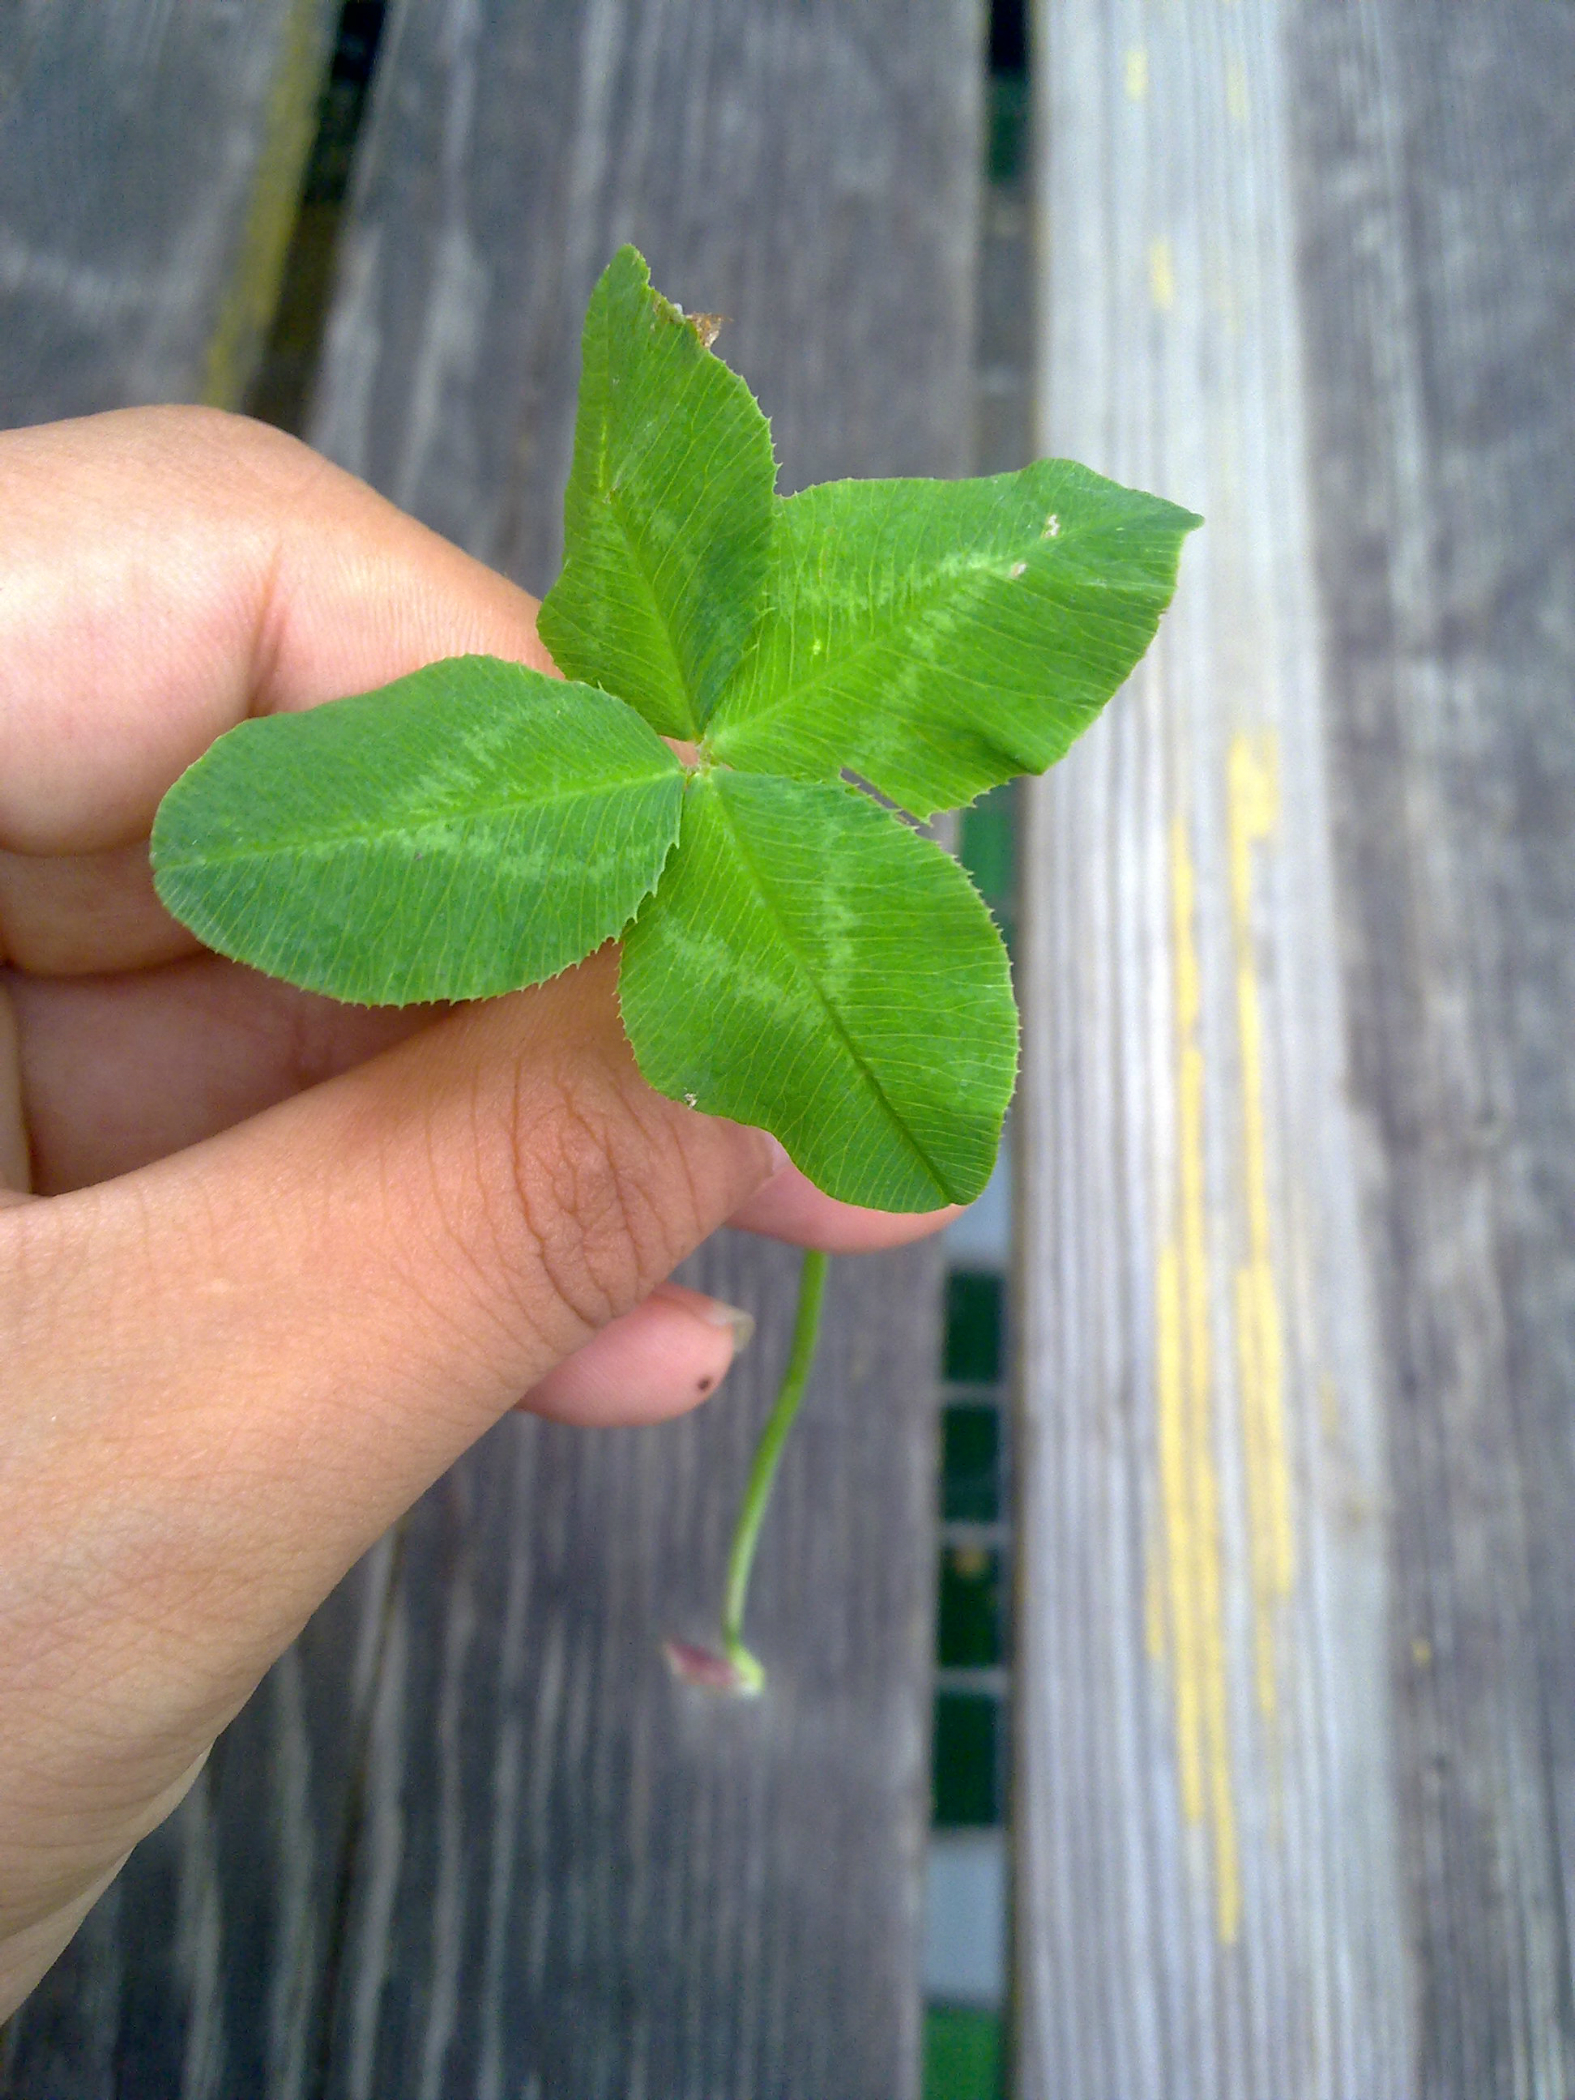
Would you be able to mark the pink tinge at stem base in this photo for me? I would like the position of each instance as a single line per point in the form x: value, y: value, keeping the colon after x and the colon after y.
x: 704, y: 1668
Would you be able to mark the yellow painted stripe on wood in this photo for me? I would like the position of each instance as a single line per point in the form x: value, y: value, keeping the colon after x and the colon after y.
x: 1254, y: 808
x: 1189, y: 1478
x: 247, y: 309
x: 1161, y: 276
x: 1237, y: 104
x: 1176, y: 1494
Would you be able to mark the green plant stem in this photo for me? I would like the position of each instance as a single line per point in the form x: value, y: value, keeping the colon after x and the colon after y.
x: 762, y: 1473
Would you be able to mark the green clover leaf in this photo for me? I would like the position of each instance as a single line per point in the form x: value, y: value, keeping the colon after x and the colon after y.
x: 464, y: 831
x: 668, y: 513
x: 854, y: 988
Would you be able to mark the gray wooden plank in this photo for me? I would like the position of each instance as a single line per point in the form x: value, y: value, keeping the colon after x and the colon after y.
x: 1439, y: 302
x: 690, y: 1901
x: 567, y: 1874
x: 150, y: 160
x: 1211, y: 1897
x: 577, y: 1877
x: 1312, y: 272
x: 808, y: 168
x: 201, y: 1972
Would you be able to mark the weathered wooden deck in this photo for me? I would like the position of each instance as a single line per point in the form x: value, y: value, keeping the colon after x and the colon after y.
x: 1295, y: 1681
x: 469, y: 1838
x: 1297, y: 1662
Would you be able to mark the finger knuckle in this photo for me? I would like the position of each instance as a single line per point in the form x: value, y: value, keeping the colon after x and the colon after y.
x: 601, y: 1188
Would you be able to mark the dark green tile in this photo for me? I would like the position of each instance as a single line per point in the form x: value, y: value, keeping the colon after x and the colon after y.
x: 965, y: 1770
x: 975, y: 1306
x: 970, y: 1624
x: 988, y: 845
x: 1009, y: 117
x: 962, y: 2053
x: 971, y: 1464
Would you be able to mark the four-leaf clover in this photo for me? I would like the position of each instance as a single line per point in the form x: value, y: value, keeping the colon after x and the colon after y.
x: 796, y: 953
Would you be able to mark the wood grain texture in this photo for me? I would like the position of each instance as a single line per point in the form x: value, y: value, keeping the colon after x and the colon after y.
x: 564, y: 1875
x: 150, y: 162
x: 1436, y: 167
x: 1297, y: 1750
x: 806, y: 169
x: 1211, y: 1897
x: 568, y: 1875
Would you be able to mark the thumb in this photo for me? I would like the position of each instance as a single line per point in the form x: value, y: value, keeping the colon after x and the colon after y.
x: 229, y: 1371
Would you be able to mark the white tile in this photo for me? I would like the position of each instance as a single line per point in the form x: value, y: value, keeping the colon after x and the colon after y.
x: 982, y: 1236
x: 965, y: 1917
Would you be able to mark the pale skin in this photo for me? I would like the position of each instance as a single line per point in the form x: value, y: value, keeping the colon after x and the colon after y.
x: 267, y: 1265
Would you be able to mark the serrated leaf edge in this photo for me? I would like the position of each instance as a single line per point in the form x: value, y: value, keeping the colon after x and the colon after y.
x: 893, y: 1118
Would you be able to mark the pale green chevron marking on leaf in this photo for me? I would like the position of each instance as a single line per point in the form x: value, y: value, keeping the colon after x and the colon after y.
x: 939, y: 637
x: 811, y: 965
x: 465, y: 831
x: 668, y: 511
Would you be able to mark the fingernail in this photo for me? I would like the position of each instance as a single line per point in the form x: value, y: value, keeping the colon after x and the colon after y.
x: 716, y: 1314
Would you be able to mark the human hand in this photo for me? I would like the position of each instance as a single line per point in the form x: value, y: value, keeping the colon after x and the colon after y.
x: 267, y: 1264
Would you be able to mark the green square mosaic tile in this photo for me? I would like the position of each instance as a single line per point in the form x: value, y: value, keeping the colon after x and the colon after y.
x: 962, y: 2053
x: 970, y: 1629
x: 965, y: 1763
x: 971, y: 1464
x: 975, y: 1306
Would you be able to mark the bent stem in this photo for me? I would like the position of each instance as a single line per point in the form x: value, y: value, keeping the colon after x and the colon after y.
x: 751, y: 1676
